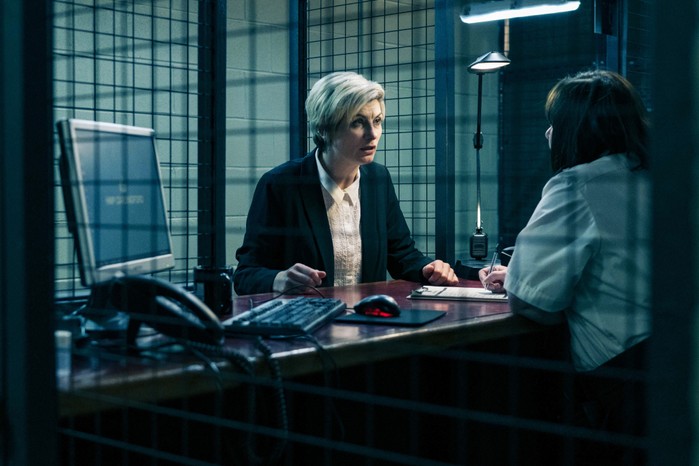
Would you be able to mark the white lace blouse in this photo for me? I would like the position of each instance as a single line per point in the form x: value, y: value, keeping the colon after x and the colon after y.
x: 342, y: 207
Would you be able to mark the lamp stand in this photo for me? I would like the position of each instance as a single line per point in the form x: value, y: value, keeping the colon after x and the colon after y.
x: 478, y: 244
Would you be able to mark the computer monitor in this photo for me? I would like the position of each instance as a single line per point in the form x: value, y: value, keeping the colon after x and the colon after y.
x: 112, y: 188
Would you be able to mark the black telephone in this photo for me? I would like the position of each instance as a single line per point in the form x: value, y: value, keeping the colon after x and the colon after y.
x: 162, y: 306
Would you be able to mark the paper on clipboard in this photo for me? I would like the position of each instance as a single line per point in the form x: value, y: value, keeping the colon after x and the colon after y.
x: 457, y: 293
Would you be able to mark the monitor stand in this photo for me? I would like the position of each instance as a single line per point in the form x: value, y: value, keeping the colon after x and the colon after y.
x: 102, y: 319
x: 105, y: 320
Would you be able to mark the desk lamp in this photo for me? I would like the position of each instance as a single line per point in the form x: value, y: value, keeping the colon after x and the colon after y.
x: 486, y: 63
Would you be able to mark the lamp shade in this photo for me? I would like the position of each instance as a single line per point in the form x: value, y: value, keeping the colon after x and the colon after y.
x: 488, y: 63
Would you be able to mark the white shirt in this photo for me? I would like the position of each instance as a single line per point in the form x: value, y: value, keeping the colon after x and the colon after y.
x: 586, y: 251
x: 343, y: 209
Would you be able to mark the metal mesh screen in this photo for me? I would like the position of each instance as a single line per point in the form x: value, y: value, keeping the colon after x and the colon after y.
x: 132, y: 63
x: 391, y: 43
x: 447, y: 395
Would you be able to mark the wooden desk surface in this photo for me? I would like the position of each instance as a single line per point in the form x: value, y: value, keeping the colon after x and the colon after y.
x: 104, y: 380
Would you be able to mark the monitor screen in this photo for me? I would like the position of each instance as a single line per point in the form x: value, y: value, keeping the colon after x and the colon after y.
x: 113, y: 193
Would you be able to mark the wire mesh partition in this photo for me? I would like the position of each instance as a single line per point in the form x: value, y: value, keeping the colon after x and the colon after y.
x: 147, y: 65
x: 528, y: 414
x: 133, y: 63
x: 391, y: 43
x: 477, y: 386
x: 524, y: 165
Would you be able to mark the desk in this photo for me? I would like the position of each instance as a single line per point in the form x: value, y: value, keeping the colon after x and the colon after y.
x: 418, y: 384
x: 117, y: 380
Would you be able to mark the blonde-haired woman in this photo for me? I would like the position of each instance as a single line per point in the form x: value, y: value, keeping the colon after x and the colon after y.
x: 332, y: 217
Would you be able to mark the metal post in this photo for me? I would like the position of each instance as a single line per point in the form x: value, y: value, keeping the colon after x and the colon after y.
x: 28, y: 402
x: 298, y: 79
x: 445, y: 202
x: 212, y: 134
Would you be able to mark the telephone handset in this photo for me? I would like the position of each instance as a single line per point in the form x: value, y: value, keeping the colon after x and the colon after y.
x: 164, y: 307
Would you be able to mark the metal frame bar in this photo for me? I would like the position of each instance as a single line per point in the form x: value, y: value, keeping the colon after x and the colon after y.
x: 298, y: 78
x: 673, y: 379
x: 27, y: 367
x: 211, y: 235
x: 444, y: 132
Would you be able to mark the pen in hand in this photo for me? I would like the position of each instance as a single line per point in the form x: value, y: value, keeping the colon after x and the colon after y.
x: 492, y: 264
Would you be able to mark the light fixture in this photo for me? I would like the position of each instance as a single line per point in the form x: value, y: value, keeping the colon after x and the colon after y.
x: 486, y: 63
x: 508, y: 9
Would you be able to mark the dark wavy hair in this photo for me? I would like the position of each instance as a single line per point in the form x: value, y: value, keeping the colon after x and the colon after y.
x: 593, y: 114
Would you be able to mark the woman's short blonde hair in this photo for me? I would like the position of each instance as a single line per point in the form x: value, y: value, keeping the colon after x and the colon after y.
x: 335, y: 99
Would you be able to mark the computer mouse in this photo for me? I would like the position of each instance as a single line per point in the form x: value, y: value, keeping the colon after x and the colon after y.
x: 377, y: 305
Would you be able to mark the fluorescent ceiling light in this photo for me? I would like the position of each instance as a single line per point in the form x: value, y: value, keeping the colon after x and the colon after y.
x: 507, y: 9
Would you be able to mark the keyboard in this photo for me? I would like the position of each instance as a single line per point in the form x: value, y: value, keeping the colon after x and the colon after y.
x: 285, y: 317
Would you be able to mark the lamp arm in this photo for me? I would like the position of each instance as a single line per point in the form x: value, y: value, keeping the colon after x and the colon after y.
x: 478, y: 137
x: 478, y: 145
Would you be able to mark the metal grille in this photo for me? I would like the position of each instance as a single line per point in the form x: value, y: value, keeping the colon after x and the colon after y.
x: 391, y: 43
x: 137, y: 63
x: 133, y: 63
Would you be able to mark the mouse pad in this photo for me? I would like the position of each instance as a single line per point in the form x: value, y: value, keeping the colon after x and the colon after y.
x: 407, y: 318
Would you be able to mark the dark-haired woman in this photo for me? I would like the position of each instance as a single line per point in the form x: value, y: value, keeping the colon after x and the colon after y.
x: 584, y: 256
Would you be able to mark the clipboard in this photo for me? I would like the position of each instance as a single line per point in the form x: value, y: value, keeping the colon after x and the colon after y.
x: 459, y: 293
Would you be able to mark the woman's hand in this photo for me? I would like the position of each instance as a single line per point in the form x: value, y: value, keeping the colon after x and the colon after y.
x: 495, y: 280
x: 297, y: 279
x: 440, y: 273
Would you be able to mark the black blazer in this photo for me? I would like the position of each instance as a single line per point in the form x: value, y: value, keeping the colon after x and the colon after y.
x: 287, y: 223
